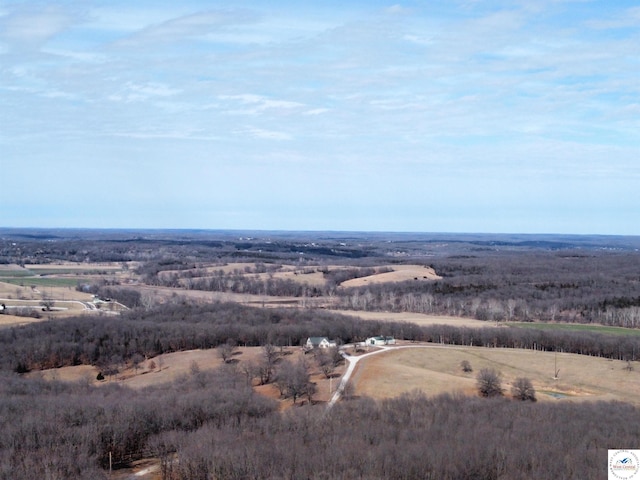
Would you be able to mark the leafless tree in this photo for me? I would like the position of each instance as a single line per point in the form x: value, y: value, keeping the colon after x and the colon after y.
x: 47, y: 304
x: 136, y: 360
x: 325, y: 361
x: 466, y: 366
x: 249, y: 369
x: 226, y: 350
x: 267, y: 365
x: 294, y: 381
x: 489, y: 382
x: 522, y: 389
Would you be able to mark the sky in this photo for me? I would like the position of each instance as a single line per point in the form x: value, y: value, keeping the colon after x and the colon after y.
x: 424, y: 116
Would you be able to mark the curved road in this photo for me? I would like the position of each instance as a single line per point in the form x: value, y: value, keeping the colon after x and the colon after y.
x: 353, y: 361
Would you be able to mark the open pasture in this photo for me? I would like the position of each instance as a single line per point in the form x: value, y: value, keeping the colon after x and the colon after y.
x: 436, y: 369
x: 577, y: 327
x: 27, y: 291
x: 13, y: 271
x: 417, y: 318
x: 42, y: 281
x: 313, y: 275
x: 399, y: 273
x: 63, y: 274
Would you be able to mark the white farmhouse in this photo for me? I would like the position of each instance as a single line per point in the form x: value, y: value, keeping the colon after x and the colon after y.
x: 319, y: 342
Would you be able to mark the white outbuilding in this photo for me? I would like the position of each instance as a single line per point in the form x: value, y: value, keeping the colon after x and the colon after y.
x: 376, y: 341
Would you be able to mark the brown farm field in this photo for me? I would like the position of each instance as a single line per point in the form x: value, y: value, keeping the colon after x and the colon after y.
x: 399, y: 273
x: 436, y: 369
x: 417, y: 318
x: 312, y: 275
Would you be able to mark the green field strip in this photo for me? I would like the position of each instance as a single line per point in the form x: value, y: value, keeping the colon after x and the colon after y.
x: 576, y: 327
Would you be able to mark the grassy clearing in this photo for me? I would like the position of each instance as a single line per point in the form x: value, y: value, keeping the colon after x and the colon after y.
x: 399, y: 273
x: 436, y: 370
x: 69, y: 271
x: 576, y: 327
x: 42, y: 281
x: 421, y: 319
x: 15, y: 273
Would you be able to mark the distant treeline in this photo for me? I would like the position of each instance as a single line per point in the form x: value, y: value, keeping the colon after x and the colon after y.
x: 567, y: 287
x: 113, y: 246
x: 562, y: 278
x: 109, y: 342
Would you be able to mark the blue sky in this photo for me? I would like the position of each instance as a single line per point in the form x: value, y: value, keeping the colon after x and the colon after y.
x: 432, y: 116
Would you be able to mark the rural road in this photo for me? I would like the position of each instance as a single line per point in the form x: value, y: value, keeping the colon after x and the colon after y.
x: 38, y: 303
x: 353, y: 361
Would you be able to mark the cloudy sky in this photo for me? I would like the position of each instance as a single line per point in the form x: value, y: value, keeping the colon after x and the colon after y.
x: 433, y: 116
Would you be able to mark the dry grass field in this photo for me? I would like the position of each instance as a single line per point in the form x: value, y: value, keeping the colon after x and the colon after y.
x: 155, y: 371
x: 165, y: 294
x: 417, y: 318
x: 65, y: 302
x: 170, y: 366
x: 436, y: 369
x: 400, y: 273
x: 55, y: 281
x: 313, y: 276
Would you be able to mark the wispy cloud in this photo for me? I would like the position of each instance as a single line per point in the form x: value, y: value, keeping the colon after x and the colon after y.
x: 252, y: 104
x: 265, y: 134
x: 132, y: 92
x: 395, y: 98
x: 28, y: 27
x: 196, y: 25
x: 629, y: 18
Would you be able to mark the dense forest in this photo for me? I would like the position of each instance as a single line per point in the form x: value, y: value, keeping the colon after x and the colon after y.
x: 60, y: 430
x: 110, y: 343
x: 212, y: 426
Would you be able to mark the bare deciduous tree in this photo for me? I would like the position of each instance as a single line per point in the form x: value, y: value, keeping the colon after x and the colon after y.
x: 466, y: 366
x: 249, y: 370
x: 47, y: 304
x: 522, y: 389
x: 326, y: 361
x: 136, y: 360
x: 267, y: 365
x: 489, y: 382
x: 226, y: 350
x: 293, y: 380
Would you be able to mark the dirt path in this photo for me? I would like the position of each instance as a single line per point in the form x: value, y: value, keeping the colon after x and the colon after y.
x: 353, y: 362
